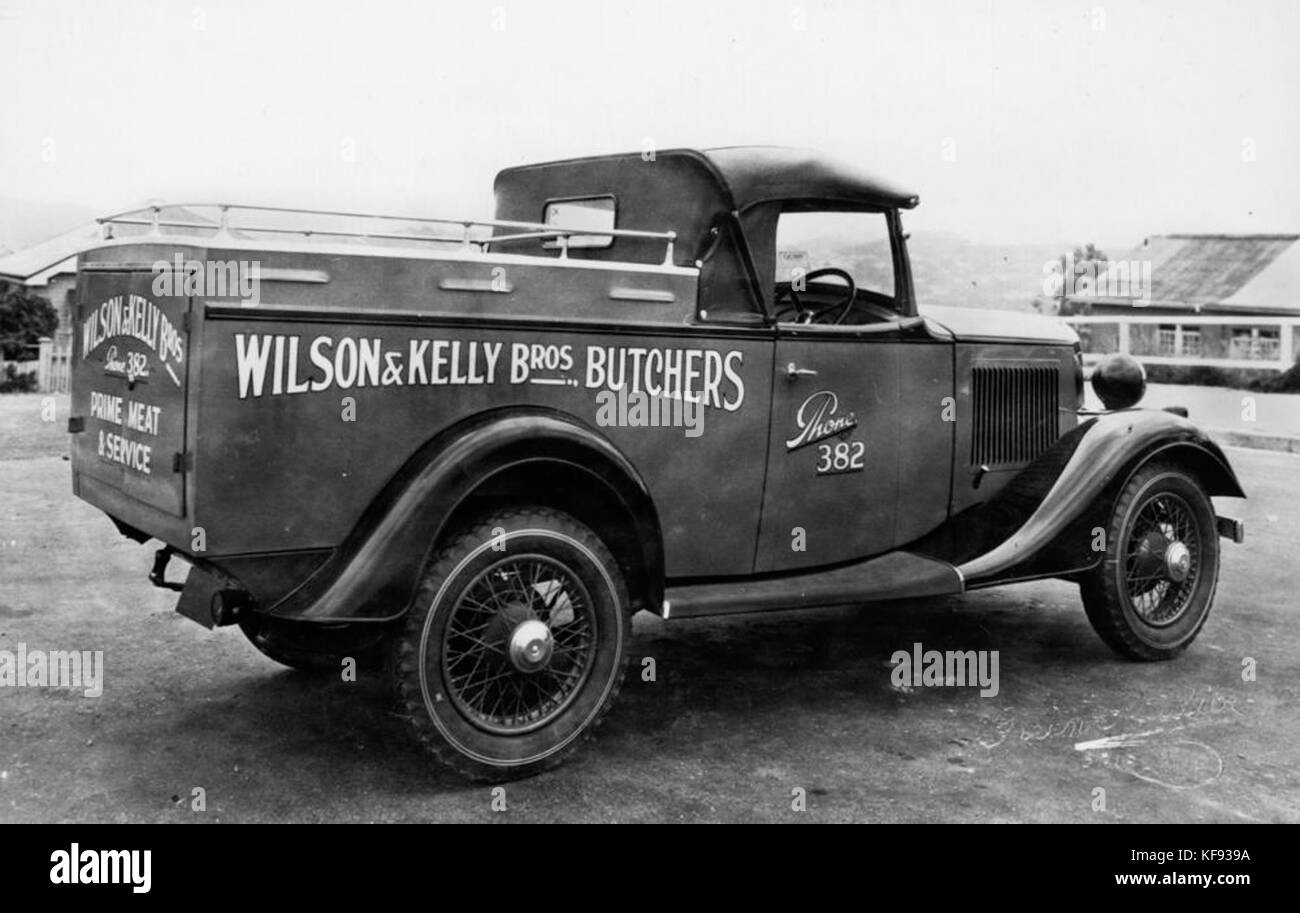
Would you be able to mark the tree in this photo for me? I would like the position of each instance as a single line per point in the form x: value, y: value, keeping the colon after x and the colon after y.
x: 24, y: 319
x: 1089, y: 253
x: 1087, y: 262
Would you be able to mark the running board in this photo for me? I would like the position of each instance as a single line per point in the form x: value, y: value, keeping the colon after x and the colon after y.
x: 897, y: 575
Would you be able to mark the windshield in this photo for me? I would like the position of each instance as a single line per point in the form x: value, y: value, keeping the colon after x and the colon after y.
x: 857, y: 242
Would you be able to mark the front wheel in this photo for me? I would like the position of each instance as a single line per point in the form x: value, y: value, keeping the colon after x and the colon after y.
x: 516, y: 644
x: 1150, y: 597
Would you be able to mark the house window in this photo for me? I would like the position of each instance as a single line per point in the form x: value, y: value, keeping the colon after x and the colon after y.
x: 1254, y: 344
x: 1166, y: 344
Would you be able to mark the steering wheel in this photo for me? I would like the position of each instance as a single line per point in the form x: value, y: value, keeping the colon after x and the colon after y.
x: 812, y: 314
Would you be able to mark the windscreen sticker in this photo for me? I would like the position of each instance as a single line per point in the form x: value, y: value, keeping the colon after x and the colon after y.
x: 287, y: 365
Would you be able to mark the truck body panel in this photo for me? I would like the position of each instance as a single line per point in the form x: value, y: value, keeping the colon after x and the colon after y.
x: 277, y: 423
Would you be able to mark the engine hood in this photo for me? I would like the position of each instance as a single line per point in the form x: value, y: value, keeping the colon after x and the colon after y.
x: 981, y: 325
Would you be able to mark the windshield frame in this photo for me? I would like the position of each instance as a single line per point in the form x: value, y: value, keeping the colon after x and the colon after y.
x: 760, y: 222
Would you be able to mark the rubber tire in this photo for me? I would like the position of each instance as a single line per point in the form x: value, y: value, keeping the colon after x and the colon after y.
x: 312, y: 647
x: 1105, y: 596
x: 439, y: 726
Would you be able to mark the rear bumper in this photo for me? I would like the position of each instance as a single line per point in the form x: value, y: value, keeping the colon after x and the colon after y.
x: 1231, y: 528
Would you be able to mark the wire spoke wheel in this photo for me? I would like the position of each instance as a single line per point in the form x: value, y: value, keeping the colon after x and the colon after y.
x: 1162, y: 559
x: 518, y: 644
x: 1152, y: 592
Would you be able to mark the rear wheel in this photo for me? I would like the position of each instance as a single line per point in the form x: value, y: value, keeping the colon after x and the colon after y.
x: 1149, y: 599
x: 516, y: 645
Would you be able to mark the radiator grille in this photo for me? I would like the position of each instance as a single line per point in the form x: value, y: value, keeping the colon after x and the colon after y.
x: 1015, y: 411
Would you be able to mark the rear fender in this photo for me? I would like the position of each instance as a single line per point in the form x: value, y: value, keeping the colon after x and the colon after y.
x: 1112, y: 448
x: 374, y: 574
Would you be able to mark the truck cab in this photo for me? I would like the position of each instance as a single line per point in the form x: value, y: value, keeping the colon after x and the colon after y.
x: 810, y: 254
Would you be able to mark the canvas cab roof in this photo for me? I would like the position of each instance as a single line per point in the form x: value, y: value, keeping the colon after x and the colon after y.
x: 687, y: 190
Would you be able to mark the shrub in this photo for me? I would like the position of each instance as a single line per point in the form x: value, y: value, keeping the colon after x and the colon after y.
x: 24, y: 319
x: 1286, y: 382
x: 13, y: 382
x: 1237, y: 378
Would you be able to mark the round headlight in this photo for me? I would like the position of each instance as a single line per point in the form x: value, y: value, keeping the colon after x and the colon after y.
x: 1119, y: 381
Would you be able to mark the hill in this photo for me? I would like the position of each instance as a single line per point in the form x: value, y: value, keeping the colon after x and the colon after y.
x: 950, y: 271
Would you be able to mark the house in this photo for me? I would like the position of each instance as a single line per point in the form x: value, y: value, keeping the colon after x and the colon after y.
x: 49, y: 269
x: 1201, y: 285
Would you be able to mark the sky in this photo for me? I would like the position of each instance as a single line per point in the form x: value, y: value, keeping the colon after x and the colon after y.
x: 1014, y: 121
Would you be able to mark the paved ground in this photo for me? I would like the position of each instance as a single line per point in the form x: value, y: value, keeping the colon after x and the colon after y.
x: 743, y: 711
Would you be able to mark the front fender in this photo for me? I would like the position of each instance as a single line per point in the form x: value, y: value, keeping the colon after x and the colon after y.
x: 1110, y: 449
x: 374, y: 574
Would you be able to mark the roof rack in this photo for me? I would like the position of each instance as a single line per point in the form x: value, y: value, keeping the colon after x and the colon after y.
x: 384, y: 229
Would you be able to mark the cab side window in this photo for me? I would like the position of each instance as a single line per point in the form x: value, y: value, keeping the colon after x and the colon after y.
x: 595, y: 213
x: 724, y: 282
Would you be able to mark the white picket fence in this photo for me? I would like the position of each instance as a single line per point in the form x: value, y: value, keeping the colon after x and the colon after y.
x: 51, y: 365
x: 20, y: 367
x: 1216, y: 341
x: 54, y: 364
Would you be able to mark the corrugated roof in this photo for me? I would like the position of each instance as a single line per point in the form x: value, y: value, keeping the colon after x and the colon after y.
x: 29, y: 262
x: 1275, y: 287
x: 1206, y: 269
x: 27, y: 265
x: 1215, y: 271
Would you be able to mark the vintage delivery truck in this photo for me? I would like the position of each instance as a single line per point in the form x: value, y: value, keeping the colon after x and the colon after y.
x: 689, y: 383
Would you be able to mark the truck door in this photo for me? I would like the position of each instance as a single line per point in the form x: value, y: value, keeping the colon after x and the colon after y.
x: 862, y: 423
x: 861, y: 440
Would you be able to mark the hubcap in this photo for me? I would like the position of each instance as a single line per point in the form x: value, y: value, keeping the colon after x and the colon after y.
x: 531, y: 645
x: 1162, y: 559
x: 518, y: 644
x: 1178, y: 561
